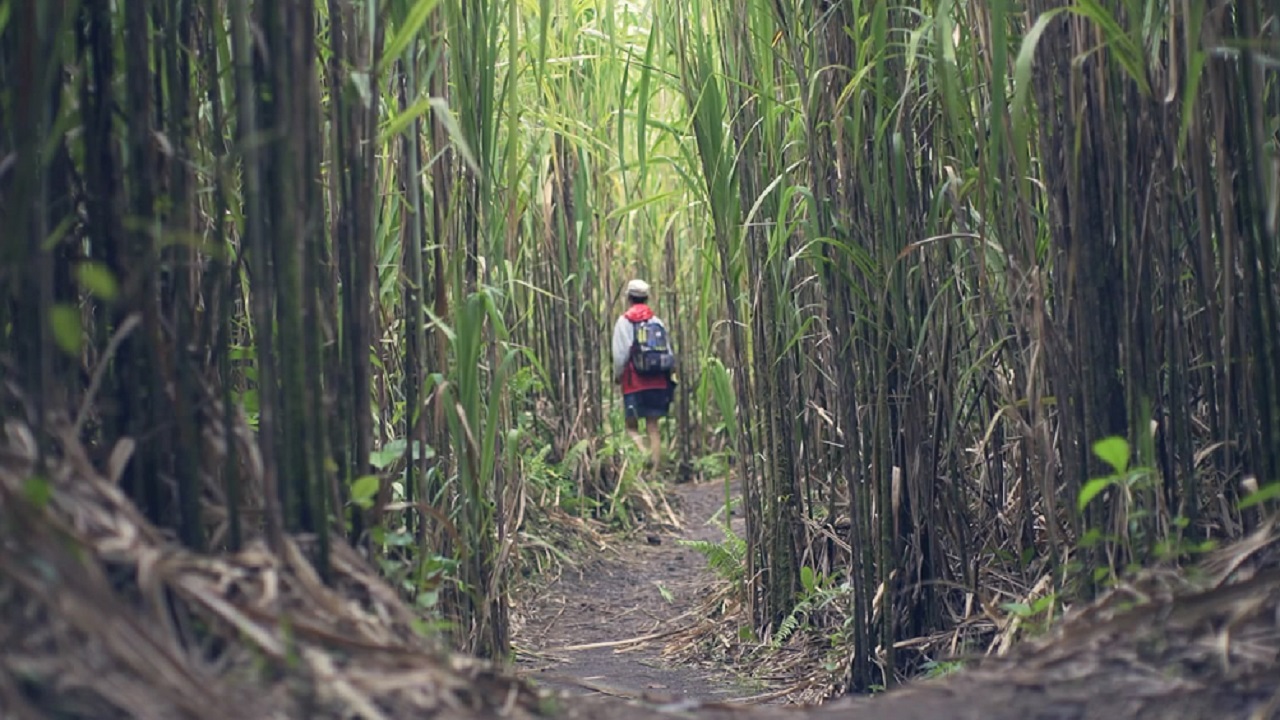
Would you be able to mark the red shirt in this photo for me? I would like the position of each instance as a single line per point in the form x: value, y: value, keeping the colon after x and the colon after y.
x: 631, y: 382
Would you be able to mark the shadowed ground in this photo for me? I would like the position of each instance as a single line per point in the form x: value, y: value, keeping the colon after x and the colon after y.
x: 1178, y: 653
x: 103, y: 616
x: 600, y: 626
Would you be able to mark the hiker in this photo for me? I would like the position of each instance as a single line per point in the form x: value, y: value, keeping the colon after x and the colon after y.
x: 643, y: 364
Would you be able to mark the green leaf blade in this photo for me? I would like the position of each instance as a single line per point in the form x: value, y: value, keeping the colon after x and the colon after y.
x: 364, y: 489
x: 1114, y: 451
x: 98, y: 279
x: 64, y: 320
x: 1092, y: 489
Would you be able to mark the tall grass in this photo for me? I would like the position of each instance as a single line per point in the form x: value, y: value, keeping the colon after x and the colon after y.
x: 969, y: 253
x: 350, y: 268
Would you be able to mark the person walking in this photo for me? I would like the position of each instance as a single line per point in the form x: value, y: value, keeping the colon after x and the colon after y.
x: 644, y: 365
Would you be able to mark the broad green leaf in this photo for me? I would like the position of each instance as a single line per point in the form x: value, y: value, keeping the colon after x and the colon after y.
x: 65, y: 321
x: 98, y: 279
x: 394, y: 450
x: 249, y: 401
x: 387, y: 454
x: 1261, y: 495
x: 1091, y: 538
x: 1114, y: 451
x: 364, y: 489
x: 398, y: 539
x: 1091, y: 490
x: 1017, y: 608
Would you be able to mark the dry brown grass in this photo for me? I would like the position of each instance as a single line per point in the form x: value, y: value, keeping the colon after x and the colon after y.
x: 105, y: 616
x: 1211, y: 630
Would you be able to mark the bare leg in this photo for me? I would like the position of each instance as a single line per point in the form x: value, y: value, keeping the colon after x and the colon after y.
x: 633, y: 430
x: 655, y: 439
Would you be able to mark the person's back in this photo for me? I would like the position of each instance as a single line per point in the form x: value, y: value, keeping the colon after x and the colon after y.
x: 644, y: 394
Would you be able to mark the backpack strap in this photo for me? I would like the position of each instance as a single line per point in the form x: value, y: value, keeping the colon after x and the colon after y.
x: 635, y: 339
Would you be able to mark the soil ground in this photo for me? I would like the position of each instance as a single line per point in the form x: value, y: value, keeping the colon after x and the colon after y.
x: 98, y: 609
x: 599, y: 627
x: 593, y: 637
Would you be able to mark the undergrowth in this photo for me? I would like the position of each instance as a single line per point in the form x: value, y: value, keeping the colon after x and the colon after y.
x: 728, y: 557
x: 813, y: 640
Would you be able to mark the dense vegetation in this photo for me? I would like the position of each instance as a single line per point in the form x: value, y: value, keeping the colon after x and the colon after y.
x: 348, y: 267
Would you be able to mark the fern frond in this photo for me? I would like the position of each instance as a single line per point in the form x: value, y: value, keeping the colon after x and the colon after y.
x: 724, y: 558
x: 790, y: 624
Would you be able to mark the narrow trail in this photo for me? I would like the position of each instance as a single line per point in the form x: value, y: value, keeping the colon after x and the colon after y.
x: 595, y: 635
x: 599, y: 628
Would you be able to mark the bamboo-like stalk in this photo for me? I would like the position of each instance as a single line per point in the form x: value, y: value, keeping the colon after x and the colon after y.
x: 918, y: 259
x: 412, y: 251
x: 259, y: 262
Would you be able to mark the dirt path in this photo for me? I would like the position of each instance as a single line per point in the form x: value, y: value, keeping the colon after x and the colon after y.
x: 1168, y: 659
x: 599, y: 628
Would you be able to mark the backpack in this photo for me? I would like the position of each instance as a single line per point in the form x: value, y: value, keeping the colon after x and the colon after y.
x: 650, y: 349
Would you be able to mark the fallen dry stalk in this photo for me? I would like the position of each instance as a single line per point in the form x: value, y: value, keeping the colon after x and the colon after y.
x: 99, y: 607
x: 102, y: 616
x: 614, y: 643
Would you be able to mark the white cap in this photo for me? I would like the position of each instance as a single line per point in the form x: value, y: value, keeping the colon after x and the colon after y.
x: 638, y: 288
